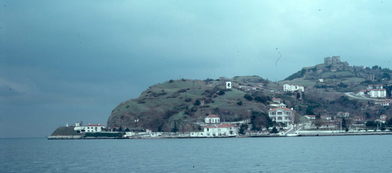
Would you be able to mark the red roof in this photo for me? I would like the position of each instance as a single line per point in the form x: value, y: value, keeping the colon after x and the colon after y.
x: 213, y: 116
x: 221, y: 126
x: 286, y: 109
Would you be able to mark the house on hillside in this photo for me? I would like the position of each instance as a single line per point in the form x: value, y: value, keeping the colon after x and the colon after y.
x: 212, y: 119
x: 282, y: 115
x: 293, y: 88
x: 378, y: 93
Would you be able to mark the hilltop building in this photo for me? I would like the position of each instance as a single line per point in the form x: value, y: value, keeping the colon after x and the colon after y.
x: 293, y: 88
x: 229, y: 85
x: 332, y: 60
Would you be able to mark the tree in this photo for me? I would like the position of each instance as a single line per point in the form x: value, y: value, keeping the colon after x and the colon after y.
x: 221, y: 92
x: 239, y: 103
x: 318, y: 121
x: 197, y: 103
x: 274, y: 130
x: 243, y: 129
x: 260, y: 120
x: 371, y: 124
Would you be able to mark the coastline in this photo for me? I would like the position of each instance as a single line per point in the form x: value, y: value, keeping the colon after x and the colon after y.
x: 300, y: 134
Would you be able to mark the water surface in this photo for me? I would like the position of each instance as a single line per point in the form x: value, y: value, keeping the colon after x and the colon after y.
x: 296, y: 154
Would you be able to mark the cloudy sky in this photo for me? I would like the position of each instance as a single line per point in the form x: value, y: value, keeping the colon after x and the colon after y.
x: 67, y: 61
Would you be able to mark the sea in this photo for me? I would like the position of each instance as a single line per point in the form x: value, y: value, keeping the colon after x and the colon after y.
x: 237, y: 155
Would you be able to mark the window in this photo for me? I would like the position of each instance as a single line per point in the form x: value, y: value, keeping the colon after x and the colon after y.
x: 280, y: 113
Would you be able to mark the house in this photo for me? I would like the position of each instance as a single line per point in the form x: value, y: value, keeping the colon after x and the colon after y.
x: 91, y: 128
x: 278, y: 105
x: 378, y: 93
x: 343, y: 114
x: 220, y: 130
x: 326, y: 117
x: 382, y: 119
x: 282, y: 115
x: 228, y: 85
x: 214, y: 128
x: 385, y: 102
x: 212, y: 119
x: 293, y: 88
x: 276, y: 100
x: 310, y: 117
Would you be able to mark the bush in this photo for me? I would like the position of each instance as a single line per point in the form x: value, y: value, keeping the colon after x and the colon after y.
x: 239, y: 103
x: 197, y: 103
x: 221, y: 92
x: 248, y: 97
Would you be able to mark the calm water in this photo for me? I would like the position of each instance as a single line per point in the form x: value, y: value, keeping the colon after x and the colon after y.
x: 301, y: 154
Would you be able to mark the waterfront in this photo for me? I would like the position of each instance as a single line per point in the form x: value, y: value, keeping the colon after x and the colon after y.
x: 301, y: 154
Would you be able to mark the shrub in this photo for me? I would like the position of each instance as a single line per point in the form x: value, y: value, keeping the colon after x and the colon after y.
x: 248, y: 97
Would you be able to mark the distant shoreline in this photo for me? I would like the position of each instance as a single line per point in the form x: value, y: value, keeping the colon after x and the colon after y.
x: 312, y: 134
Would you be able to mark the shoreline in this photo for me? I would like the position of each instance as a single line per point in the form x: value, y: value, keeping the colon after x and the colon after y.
x: 306, y: 134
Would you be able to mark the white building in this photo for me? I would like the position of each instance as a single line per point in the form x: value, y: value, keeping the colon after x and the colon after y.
x: 217, y: 130
x: 293, y: 88
x: 91, y: 128
x: 282, y: 115
x: 212, y: 119
x: 214, y: 128
x: 228, y: 85
x: 378, y: 93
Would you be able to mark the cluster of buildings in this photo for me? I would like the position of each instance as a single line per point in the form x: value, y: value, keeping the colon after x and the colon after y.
x: 213, y: 127
x: 90, y: 128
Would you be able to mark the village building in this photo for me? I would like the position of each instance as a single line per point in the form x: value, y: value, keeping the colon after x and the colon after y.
x: 229, y: 85
x: 310, y: 117
x: 214, y: 128
x: 343, y: 114
x: 212, y: 119
x: 382, y: 119
x: 378, y: 93
x: 293, y: 88
x: 277, y: 100
x: 282, y: 115
x: 91, y: 128
x: 385, y: 102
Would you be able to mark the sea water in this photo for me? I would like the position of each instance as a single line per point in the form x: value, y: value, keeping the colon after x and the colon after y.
x: 271, y: 154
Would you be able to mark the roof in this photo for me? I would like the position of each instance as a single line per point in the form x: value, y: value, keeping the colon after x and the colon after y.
x: 212, y: 116
x: 220, y: 126
x: 377, y: 90
x: 285, y: 109
x: 94, y: 125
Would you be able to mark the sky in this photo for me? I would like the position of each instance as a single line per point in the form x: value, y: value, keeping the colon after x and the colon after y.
x: 68, y: 61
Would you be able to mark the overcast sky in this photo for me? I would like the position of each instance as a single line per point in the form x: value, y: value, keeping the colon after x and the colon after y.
x: 67, y: 61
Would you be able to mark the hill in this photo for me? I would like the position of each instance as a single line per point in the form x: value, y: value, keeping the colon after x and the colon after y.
x: 176, y: 105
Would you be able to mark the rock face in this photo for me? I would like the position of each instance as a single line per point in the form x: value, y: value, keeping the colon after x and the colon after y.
x: 176, y: 105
